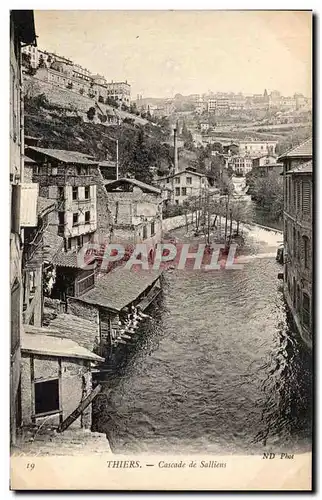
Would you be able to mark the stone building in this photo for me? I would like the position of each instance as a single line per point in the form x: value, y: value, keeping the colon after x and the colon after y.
x: 182, y: 185
x: 23, y: 202
x: 70, y: 179
x: 55, y: 377
x: 298, y: 235
x: 241, y: 165
x: 136, y: 210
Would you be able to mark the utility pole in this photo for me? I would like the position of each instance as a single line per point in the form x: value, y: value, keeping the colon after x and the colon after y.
x: 117, y: 159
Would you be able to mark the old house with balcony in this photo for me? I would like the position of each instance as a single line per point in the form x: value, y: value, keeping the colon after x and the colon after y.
x: 70, y: 180
x: 298, y: 236
x: 23, y: 200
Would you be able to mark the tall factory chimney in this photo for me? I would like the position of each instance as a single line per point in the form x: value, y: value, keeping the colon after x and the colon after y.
x: 175, y: 143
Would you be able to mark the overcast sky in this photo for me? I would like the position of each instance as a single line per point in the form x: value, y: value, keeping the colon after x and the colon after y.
x: 162, y: 53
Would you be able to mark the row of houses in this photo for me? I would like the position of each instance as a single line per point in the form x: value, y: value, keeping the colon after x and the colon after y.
x: 60, y: 71
x: 223, y: 103
x: 298, y: 236
x: 66, y: 308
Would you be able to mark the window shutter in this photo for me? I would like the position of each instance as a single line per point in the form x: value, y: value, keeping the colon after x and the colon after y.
x: 306, y: 197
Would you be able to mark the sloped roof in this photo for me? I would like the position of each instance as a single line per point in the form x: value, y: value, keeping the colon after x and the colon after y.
x: 119, y: 288
x: 107, y: 163
x: 72, y: 259
x: 134, y: 182
x: 75, y: 328
x: 185, y: 171
x: 37, y: 340
x: 304, y: 168
x: 304, y: 150
x: 64, y: 156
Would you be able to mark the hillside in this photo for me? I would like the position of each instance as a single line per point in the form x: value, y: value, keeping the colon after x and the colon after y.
x: 61, y: 120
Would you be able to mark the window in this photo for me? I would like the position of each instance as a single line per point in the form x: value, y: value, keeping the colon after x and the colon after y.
x: 306, y: 198
x: 177, y: 202
x: 177, y: 180
x: 75, y: 219
x: 85, y: 170
x: 189, y: 180
x: 54, y: 171
x: 298, y: 196
x: 306, y: 315
x: 306, y: 251
x: 152, y: 229
x: 177, y: 191
x: 79, y: 241
x: 75, y: 193
x: 78, y: 170
x: 184, y: 191
x: 47, y: 397
x: 145, y: 232
x: 87, y: 216
x: 168, y: 180
x: 87, y: 192
x: 61, y: 218
x: 61, y: 193
x: 294, y: 244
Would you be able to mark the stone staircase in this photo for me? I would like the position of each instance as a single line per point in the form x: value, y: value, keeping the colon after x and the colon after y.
x: 48, y: 442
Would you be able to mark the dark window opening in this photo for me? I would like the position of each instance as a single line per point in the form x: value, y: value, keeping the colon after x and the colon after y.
x: 61, y: 218
x: 75, y: 193
x: 46, y: 396
x: 75, y: 219
x: 87, y: 216
x: 61, y: 193
x: 306, y: 251
x: 145, y: 232
x: 87, y: 192
x: 152, y: 229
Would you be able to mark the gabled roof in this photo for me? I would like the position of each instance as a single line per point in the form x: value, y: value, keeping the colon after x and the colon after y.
x: 185, y: 171
x: 304, y: 150
x: 119, y: 288
x: 146, y: 188
x: 63, y: 155
x: 41, y: 340
x: 304, y: 168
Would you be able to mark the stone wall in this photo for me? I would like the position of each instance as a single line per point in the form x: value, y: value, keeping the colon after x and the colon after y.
x: 174, y: 222
x: 72, y: 387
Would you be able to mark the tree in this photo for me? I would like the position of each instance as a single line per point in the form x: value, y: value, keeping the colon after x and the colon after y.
x: 268, y: 194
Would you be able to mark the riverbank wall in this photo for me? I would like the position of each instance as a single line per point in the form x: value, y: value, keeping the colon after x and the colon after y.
x: 175, y: 222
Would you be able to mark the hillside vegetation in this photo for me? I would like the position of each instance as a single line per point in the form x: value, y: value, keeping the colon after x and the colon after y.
x: 60, y: 124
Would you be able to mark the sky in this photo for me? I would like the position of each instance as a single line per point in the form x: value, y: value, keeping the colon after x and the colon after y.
x: 162, y: 53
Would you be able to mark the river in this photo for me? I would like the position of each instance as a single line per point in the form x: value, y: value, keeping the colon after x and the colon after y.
x: 217, y: 370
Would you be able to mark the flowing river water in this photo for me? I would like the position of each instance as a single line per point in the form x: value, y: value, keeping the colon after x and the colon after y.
x: 219, y: 369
